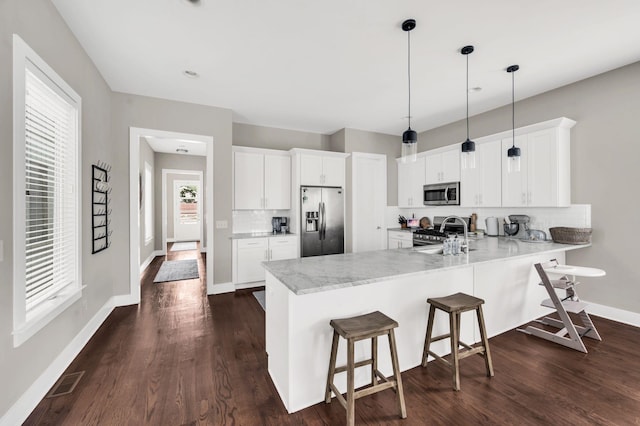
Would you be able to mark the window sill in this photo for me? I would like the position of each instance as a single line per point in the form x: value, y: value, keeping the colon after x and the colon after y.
x: 44, y: 314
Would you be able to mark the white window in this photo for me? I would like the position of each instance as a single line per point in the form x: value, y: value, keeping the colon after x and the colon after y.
x: 46, y: 196
x: 148, y: 203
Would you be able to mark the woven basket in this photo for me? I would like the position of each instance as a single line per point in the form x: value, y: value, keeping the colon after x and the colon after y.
x: 570, y: 235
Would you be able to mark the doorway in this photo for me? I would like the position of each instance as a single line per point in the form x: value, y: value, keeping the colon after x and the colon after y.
x: 369, y: 201
x: 171, y: 178
x: 206, y: 214
x: 186, y: 210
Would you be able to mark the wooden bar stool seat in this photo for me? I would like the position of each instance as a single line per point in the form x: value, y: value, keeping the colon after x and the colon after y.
x: 368, y: 326
x: 455, y: 305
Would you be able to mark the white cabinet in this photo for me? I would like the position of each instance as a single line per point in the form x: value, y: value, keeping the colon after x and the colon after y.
x: 482, y: 185
x: 544, y: 176
x: 261, y: 180
x: 249, y: 254
x: 277, y: 182
x: 281, y: 248
x: 321, y: 170
x: 410, y: 182
x: 443, y: 166
x: 399, y: 239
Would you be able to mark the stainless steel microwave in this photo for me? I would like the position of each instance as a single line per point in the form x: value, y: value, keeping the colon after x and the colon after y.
x: 441, y: 194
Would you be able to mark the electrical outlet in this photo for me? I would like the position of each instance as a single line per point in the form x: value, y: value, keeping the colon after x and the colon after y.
x: 221, y: 224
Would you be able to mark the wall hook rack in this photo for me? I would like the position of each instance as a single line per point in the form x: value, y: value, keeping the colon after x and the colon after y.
x: 100, y: 222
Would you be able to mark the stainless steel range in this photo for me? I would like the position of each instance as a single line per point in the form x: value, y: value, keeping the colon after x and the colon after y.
x: 425, y: 237
x: 431, y: 236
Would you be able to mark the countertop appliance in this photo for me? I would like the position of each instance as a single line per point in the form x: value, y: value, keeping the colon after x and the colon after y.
x: 522, y: 222
x: 278, y: 223
x: 322, y: 221
x: 441, y: 194
x: 492, y: 226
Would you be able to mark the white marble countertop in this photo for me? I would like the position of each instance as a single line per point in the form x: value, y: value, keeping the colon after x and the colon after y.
x: 322, y: 273
x: 240, y: 236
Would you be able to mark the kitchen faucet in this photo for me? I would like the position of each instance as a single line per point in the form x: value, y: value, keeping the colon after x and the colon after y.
x: 465, y: 243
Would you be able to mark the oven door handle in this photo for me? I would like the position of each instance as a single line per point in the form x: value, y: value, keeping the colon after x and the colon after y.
x: 446, y: 192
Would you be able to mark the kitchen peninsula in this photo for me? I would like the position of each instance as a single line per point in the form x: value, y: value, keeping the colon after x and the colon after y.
x: 303, y: 295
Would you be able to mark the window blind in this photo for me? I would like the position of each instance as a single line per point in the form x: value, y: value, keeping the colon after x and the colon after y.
x: 51, y: 149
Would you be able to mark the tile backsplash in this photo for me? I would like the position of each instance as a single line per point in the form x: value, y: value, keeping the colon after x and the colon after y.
x: 543, y: 218
x: 248, y: 221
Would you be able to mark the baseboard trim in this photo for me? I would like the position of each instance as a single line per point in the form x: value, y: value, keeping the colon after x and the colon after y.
x: 249, y: 285
x: 29, y: 400
x: 223, y: 288
x: 203, y: 249
x: 615, y: 314
x: 149, y: 259
x: 171, y: 240
x: 124, y: 300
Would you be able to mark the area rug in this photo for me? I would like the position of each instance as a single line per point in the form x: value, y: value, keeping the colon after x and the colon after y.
x: 260, y: 297
x: 176, y: 270
x: 187, y: 245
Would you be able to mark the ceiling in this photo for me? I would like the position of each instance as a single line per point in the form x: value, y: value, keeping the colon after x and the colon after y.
x: 176, y: 146
x: 320, y: 66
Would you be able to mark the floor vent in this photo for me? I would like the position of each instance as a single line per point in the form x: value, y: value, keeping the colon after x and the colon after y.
x: 66, y: 384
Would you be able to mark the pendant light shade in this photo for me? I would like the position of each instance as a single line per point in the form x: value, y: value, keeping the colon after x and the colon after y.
x: 513, y: 153
x: 410, y: 136
x: 468, y: 146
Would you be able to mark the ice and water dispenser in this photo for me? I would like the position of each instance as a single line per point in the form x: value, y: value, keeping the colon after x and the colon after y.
x: 312, y: 221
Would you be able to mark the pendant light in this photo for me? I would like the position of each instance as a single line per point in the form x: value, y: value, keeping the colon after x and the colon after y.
x: 468, y: 146
x: 409, y: 137
x: 513, y: 165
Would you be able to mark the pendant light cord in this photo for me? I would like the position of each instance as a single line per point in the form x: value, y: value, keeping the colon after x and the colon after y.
x: 409, y: 71
x: 513, y: 109
x: 467, y: 96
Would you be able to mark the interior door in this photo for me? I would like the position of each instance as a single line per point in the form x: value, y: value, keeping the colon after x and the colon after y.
x: 369, y: 201
x: 187, y: 210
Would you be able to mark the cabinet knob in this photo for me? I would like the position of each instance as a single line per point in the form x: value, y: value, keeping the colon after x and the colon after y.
x: 378, y: 227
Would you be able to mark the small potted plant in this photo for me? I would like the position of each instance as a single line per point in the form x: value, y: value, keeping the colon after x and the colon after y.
x: 402, y: 221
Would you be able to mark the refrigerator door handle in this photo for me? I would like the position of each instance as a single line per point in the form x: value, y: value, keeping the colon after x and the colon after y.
x: 323, y: 221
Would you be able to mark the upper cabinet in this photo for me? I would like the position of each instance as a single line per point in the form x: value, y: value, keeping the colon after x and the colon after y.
x: 482, y: 185
x: 544, y: 178
x: 322, y: 170
x: 261, y: 179
x: 410, y: 181
x: 443, y: 166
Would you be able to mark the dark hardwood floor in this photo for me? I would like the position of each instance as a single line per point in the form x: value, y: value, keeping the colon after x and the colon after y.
x: 182, y: 358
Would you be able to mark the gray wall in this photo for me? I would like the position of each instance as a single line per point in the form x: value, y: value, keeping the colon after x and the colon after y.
x: 604, y: 171
x: 273, y: 138
x: 159, y: 114
x: 38, y: 23
x: 178, y: 162
x: 146, y: 156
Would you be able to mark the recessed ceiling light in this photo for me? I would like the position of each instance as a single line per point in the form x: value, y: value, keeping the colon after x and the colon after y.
x: 192, y: 2
x: 475, y: 89
x: 182, y: 150
x: 191, y: 73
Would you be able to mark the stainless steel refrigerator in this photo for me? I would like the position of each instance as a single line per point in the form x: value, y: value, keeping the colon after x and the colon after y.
x: 322, y: 220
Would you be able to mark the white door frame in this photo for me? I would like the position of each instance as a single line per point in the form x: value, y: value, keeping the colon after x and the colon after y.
x: 135, y: 133
x: 192, y: 173
x: 355, y: 156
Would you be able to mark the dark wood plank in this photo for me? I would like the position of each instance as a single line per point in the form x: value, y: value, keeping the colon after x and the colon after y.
x: 182, y: 358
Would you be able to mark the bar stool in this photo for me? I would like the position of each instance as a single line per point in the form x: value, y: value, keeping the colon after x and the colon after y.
x: 455, y: 305
x: 368, y: 326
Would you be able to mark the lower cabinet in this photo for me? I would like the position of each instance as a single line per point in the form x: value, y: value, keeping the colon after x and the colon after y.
x: 399, y: 239
x: 249, y: 253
